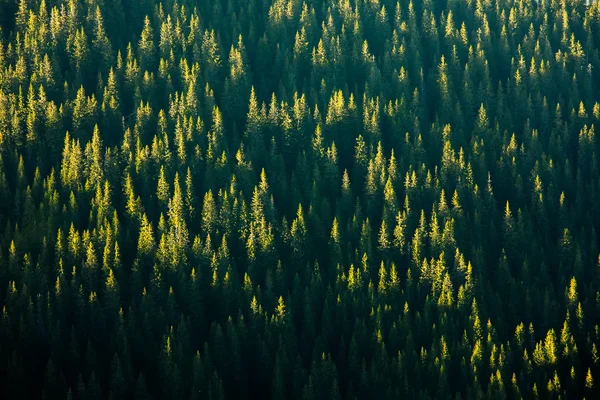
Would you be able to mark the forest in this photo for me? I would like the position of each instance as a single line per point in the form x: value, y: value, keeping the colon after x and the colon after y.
x: 299, y: 199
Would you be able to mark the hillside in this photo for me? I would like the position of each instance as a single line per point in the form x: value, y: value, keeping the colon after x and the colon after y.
x: 286, y: 199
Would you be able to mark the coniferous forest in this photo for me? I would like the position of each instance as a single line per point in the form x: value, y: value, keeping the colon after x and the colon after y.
x: 299, y: 199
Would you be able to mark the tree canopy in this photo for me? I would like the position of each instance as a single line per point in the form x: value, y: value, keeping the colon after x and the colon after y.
x: 308, y: 200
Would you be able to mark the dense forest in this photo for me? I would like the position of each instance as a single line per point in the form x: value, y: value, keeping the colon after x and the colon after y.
x: 288, y: 199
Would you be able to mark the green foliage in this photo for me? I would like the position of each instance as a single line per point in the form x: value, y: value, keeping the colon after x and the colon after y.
x: 307, y: 200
